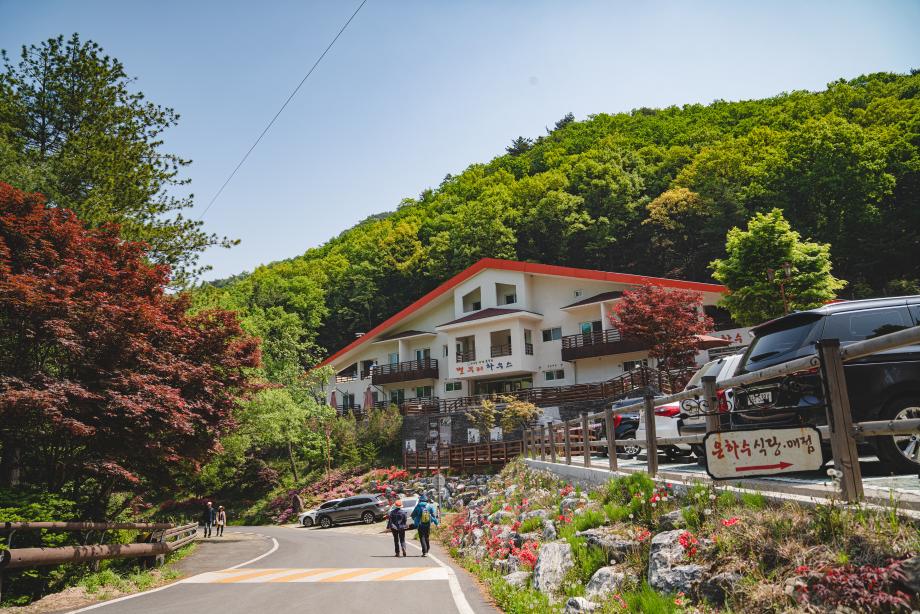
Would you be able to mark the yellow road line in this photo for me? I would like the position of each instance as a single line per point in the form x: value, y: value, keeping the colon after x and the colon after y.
x: 402, y: 573
x: 247, y: 576
x: 351, y: 574
x: 302, y: 574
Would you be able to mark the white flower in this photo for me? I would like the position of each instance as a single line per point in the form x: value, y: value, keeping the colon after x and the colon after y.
x: 664, y: 498
x: 707, y: 511
x: 712, y: 497
x: 654, y: 504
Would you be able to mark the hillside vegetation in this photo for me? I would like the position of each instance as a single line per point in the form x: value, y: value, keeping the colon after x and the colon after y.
x: 653, y: 191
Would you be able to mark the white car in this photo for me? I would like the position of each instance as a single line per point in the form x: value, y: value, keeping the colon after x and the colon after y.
x: 308, y: 519
x: 666, y: 417
x: 410, y: 503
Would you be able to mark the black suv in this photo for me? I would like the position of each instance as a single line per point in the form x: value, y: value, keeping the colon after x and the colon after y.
x: 364, y: 508
x: 883, y: 386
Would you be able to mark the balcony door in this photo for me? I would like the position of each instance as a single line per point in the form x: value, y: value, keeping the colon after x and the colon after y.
x: 394, y: 358
x: 422, y: 355
x: 397, y: 397
x: 591, y: 327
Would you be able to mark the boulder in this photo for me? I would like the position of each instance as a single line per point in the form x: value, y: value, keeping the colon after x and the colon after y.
x: 510, y: 491
x: 668, y: 570
x: 507, y: 566
x: 716, y: 588
x: 616, y: 548
x: 579, y: 604
x: 501, y: 516
x: 549, y: 530
x: 604, y: 582
x: 671, y: 520
x: 477, y: 535
x: 518, y: 579
x: 570, y: 503
x: 553, y: 561
x: 535, y: 514
x: 911, y: 570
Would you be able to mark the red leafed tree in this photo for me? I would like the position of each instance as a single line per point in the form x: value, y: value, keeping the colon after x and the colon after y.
x: 668, y: 321
x: 105, y: 380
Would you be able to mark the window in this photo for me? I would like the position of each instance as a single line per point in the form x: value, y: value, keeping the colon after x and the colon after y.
x: 366, y: 366
x: 472, y: 301
x: 505, y: 294
x: 328, y: 504
x: 631, y: 365
x: 423, y: 392
x: 423, y: 354
x: 360, y: 501
x: 554, y: 375
x: 552, y: 334
x: 590, y: 327
x: 394, y: 358
x: 578, y: 293
x: 444, y: 351
x: 453, y: 386
x: 862, y: 325
x: 348, y: 400
x: 477, y: 305
x: 397, y: 396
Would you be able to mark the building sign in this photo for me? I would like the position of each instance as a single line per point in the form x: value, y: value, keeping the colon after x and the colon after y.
x: 472, y: 435
x: 740, y: 454
x: 409, y: 446
x: 495, y: 433
x: 737, y: 336
x: 484, y: 366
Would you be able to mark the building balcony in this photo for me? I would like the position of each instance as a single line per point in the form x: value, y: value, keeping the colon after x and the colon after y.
x: 501, y: 350
x: 469, y: 356
x: 427, y: 368
x: 600, y: 343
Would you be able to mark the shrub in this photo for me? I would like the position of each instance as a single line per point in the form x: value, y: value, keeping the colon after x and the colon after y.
x: 530, y: 525
x: 864, y: 588
x: 589, y: 519
x: 753, y: 500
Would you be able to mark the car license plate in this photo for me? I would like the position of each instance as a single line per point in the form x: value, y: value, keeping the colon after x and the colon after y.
x: 760, y: 398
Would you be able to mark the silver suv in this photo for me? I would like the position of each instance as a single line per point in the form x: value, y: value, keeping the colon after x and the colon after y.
x: 366, y: 508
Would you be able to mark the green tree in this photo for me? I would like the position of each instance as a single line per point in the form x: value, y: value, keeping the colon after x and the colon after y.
x: 768, y: 243
x: 482, y: 417
x: 73, y: 128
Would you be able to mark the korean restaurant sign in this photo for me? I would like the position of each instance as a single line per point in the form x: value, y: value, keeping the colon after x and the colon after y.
x: 483, y: 366
x: 741, y: 454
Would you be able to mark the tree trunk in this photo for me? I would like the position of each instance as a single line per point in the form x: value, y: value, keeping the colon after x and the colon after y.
x: 293, y: 464
x: 10, y: 464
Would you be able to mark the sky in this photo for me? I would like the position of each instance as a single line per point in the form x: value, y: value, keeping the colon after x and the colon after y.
x: 415, y: 90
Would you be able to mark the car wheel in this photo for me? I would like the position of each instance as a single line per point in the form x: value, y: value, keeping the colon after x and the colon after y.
x: 900, y: 453
x: 325, y: 522
x: 368, y: 518
x: 628, y: 449
x: 700, y: 454
x: 308, y: 522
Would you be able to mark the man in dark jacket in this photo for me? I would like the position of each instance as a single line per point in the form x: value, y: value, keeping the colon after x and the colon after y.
x: 423, y: 515
x: 396, y: 523
x: 208, y: 518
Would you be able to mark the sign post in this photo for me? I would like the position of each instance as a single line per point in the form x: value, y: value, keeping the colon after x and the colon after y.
x: 740, y: 454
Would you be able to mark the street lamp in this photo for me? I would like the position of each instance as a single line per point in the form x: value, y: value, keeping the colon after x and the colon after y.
x: 782, y: 281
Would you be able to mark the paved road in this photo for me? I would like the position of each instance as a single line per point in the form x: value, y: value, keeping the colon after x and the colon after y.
x: 341, y: 570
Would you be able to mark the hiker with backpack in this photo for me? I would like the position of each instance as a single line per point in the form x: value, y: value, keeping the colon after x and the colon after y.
x: 396, y: 523
x: 423, y: 515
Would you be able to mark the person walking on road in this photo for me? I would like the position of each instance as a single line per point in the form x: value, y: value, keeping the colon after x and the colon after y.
x: 423, y: 515
x: 221, y: 520
x: 396, y: 523
x: 208, y: 518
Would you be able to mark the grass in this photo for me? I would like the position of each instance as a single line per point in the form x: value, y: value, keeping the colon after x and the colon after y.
x: 110, y: 580
x: 589, y: 519
x: 648, y: 601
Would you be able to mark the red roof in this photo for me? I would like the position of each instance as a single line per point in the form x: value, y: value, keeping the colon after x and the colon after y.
x: 524, y: 267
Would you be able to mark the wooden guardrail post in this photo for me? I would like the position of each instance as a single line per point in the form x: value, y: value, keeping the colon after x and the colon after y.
x: 611, y: 439
x: 585, y: 440
x: 542, y: 442
x: 840, y: 419
x: 713, y: 424
x: 567, y: 442
x: 651, y: 449
x: 552, y: 442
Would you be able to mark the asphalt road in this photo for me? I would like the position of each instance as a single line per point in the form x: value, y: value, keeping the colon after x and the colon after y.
x: 340, y: 570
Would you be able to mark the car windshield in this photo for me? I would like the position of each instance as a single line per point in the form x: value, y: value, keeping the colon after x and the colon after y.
x: 778, y: 344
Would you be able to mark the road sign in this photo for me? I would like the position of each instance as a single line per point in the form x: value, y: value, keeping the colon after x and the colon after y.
x: 740, y: 454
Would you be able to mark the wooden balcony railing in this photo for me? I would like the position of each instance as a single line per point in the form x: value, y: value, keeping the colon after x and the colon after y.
x: 341, y: 378
x: 599, y: 343
x: 462, y: 457
x: 468, y: 356
x: 501, y: 350
x: 426, y: 368
x: 627, y: 384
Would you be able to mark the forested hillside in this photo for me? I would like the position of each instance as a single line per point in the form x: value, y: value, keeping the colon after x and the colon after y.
x: 653, y: 191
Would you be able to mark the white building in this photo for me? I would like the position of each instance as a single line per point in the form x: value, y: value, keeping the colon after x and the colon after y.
x: 498, y: 326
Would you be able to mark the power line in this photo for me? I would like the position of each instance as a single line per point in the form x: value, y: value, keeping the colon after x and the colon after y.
x: 289, y: 98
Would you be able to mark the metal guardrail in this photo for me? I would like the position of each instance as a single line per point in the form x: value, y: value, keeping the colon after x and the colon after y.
x: 165, y: 539
x: 828, y: 361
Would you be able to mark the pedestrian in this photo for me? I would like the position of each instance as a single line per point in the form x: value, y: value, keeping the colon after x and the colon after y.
x: 208, y: 516
x: 221, y: 520
x: 396, y: 523
x: 423, y: 515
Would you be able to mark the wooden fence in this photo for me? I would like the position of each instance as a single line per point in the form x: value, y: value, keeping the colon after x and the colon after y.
x: 464, y: 457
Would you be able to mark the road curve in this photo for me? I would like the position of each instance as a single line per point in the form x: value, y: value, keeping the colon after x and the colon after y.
x: 314, y: 570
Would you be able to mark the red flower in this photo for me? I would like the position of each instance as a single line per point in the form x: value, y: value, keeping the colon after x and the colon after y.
x: 728, y: 522
x: 802, y: 569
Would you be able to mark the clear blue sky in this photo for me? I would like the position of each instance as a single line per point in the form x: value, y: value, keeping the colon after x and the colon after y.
x: 417, y: 89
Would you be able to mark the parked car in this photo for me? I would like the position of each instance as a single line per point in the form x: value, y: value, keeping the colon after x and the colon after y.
x: 690, y: 421
x: 883, y: 386
x: 627, y: 426
x: 666, y: 417
x: 308, y: 519
x: 366, y: 508
x: 624, y: 428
